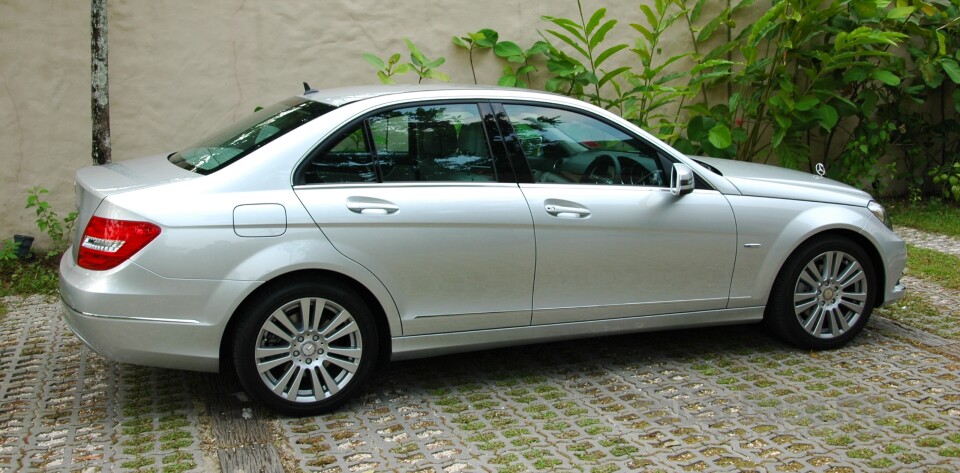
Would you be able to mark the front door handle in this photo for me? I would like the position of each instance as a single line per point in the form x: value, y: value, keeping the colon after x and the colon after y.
x: 371, y: 206
x: 566, y: 211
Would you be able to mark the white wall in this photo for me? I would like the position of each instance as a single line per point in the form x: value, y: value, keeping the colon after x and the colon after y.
x: 179, y: 70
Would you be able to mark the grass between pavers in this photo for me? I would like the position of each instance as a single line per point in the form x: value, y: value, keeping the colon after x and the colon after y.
x: 929, y: 215
x: 916, y: 311
x: 941, y: 268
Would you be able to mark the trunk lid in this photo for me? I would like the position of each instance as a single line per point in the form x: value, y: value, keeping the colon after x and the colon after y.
x: 95, y: 183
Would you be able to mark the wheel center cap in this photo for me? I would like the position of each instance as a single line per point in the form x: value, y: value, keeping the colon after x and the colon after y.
x: 308, y: 349
x: 828, y: 294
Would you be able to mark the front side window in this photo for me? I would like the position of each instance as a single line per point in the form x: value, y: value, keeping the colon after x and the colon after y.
x: 562, y: 146
x: 246, y: 136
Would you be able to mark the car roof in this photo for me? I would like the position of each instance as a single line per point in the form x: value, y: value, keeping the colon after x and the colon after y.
x: 343, y: 95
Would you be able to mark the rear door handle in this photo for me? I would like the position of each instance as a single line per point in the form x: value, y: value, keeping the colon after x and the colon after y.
x: 371, y: 206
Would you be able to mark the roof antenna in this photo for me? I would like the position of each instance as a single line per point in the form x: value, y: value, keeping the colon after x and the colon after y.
x: 307, y: 89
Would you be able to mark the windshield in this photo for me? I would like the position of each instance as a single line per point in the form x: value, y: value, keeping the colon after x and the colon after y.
x: 246, y: 136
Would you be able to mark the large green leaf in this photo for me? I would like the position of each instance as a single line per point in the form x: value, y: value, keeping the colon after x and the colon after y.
x: 886, y: 77
x: 952, y: 69
x: 373, y: 60
x: 507, y: 50
x: 720, y: 136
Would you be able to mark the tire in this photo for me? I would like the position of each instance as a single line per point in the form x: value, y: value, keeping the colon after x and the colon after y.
x: 824, y: 294
x: 305, y: 348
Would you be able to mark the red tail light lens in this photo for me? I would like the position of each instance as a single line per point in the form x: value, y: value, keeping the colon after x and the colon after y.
x: 106, y: 242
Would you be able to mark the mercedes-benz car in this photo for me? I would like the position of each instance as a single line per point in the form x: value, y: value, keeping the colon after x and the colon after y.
x: 339, y: 229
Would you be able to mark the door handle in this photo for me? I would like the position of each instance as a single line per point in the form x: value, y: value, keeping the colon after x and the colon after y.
x: 370, y: 206
x: 566, y: 211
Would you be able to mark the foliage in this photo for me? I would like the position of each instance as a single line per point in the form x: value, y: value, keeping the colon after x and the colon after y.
x: 8, y: 250
x: 948, y: 178
x: 47, y: 219
x: 483, y: 39
x: 38, y: 276
x: 845, y: 83
x: 425, y: 67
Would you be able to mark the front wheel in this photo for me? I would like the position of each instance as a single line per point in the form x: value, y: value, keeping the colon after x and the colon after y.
x: 305, y: 348
x: 824, y: 294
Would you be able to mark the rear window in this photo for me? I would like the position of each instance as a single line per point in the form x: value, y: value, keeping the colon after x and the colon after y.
x: 246, y: 136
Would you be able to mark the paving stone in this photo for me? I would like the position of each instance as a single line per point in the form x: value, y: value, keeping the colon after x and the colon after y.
x: 722, y: 399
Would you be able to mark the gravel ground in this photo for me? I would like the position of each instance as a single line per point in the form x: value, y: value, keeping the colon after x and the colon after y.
x: 722, y: 399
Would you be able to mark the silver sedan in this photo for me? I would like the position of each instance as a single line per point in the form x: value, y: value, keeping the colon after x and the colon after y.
x: 340, y: 229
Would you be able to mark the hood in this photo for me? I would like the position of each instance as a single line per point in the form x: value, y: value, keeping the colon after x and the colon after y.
x: 763, y: 180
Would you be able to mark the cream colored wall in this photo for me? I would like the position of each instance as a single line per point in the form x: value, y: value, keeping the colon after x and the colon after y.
x: 179, y: 70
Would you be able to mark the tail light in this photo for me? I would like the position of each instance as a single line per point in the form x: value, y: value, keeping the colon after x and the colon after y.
x: 106, y: 242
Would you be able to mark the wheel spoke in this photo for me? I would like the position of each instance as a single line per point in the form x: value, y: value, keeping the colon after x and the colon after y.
x: 347, y: 365
x: 319, y: 307
x: 268, y: 352
x: 280, y: 316
x: 346, y: 330
x: 851, y: 277
x: 352, y: 353
x: 284, y: 380
x: 811, y: 275
x: 295, y: 385
x: 337, y: 321
x: 269, y: 365
x: 814, y: 324
x: 271, y: 327
x: 332, y: 386
x: 802, y: 307
x: 838, y: 322
x: 854, y: 307
x: 306, y: 313
x: 318, y: 393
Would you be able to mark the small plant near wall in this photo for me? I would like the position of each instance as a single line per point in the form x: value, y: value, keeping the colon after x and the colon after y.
x: 23, y: 274
x: 425, y: 67
x: 48, y: 221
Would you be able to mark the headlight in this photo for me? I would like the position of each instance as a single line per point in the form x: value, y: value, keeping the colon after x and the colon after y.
x: 879, y: 212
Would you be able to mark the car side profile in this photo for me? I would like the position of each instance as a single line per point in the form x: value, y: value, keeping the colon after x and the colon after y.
x: 339, y: 229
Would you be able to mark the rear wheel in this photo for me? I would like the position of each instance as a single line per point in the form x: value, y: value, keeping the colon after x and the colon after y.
x: 305, y: 348
x: 824, y: 294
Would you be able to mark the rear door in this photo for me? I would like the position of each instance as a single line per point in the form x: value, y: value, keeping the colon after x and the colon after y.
x: 414, y: 194
x: 611, y: 240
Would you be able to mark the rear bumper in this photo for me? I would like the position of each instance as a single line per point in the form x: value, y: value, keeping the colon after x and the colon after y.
x: 132, y: 315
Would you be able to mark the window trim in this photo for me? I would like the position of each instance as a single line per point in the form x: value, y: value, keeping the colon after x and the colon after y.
x: 505, y: 169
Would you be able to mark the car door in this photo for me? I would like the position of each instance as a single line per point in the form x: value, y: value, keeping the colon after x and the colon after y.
x: 612, y: 241
x: 412, y: 194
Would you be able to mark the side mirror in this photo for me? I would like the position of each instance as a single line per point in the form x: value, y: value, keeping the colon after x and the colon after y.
x: 681, y: 179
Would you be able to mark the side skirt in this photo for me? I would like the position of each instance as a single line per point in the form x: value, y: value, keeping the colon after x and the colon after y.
x: 421, y: 346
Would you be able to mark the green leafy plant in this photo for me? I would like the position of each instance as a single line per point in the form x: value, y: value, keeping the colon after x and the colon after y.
x: 948, y: 178
x: 483, y: 39
x: 574, y: 76
x: 425, y: 67
x: 8, y: 250
x: 48, y: 221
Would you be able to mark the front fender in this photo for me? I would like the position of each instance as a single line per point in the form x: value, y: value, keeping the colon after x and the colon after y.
x: 770, y: 230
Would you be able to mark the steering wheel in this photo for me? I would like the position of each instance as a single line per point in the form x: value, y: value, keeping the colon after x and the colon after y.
x: 604, y: 169
x: 640, y: 176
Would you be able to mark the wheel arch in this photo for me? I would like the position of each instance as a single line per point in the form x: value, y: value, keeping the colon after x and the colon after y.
x: 860, y: 240
x: 326, y: 276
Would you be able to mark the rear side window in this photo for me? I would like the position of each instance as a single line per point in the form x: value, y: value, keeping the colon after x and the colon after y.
x: 246, y: 136
x: 436, y: 143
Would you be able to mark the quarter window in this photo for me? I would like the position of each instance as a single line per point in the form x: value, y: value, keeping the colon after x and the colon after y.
x: 567, y: 147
